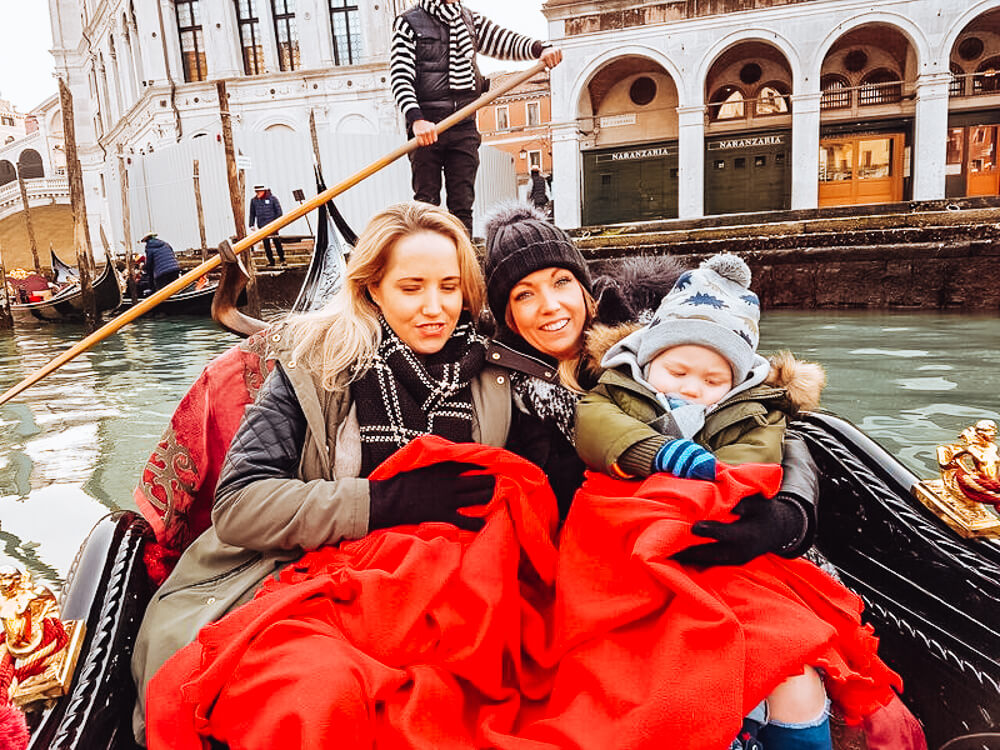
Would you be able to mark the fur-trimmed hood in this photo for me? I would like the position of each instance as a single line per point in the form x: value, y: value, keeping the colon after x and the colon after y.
x: 803, y: 381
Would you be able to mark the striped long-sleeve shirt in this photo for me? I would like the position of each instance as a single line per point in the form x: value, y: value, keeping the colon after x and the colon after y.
x: 491, y: 40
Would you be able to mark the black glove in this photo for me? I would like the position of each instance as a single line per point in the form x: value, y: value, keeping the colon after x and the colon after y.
x: 433, y: 493
x: 776, y: 525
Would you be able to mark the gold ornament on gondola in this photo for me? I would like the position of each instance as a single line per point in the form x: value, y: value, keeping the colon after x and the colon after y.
x: 38, y: 651
x: 967, y: 496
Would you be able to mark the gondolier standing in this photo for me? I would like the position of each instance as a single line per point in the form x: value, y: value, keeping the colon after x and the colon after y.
x: 264, y: 208
x: 433, y: 74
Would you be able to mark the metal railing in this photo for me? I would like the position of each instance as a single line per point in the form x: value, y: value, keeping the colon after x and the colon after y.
x: 865, y: 95
x: 983, y: 83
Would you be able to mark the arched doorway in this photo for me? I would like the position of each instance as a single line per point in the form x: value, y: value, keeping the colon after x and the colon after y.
x: 748, y: 137
x: 29, y: 164
x: 628, y: 111
x: 866, y: 117
x: 7, y: 172
x: 971, y: 166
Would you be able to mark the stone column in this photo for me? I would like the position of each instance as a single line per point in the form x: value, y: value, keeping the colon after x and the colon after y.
x: 691, y: 161
x: 805, y: 149
x: 930, y: 136
x: 566, y: 174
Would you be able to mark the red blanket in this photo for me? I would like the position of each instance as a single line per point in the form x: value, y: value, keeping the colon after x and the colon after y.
x: 433, y: 637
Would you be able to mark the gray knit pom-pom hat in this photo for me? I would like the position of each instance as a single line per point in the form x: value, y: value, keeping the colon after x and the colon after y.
x: 711, y: 306
x: 519, y: 241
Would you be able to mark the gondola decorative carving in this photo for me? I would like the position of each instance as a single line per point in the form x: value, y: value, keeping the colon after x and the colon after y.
x: 38, y: 651
x: 967, y: 495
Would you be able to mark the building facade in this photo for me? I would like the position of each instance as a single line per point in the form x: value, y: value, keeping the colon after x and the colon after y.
x: 143, y: 78
x: 684, y: 109
x: 518, y: 123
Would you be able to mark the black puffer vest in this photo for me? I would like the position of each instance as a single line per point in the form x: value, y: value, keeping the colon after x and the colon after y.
x: 434, y: 94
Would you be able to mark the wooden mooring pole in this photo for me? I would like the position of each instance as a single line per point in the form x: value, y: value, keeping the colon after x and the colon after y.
x: 236, y: 196
x: 130, y: 286
x: 77, y: 199
x: 199, y: 209
x: 27, y: 221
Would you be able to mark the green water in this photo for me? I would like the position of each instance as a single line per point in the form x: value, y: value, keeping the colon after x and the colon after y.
x: 73, y: 446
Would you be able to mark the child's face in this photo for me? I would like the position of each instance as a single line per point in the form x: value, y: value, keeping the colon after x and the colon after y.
x: 695, y: 373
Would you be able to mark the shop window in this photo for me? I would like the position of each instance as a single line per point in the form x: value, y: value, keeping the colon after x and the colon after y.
x: 881, y: 86
x: 957, y: 85
x: 345, y: 23
x: 987, y: 78
x: 875, y: 159
x: 836, y: 92
x: 674, y: 171
x: 248, y: 23
x: 503, y: 118
x: 192, y: 42
x: 642, y: 91
x: 772, y: 99
x: 956, y: 143
x: 286, y: 33
x: 760, y: 161
x: 740, y: 162
x: 727, y: 104
x: 533, y: 114
x: 779, y: 160
x: 720, y: 164
x: 605, y: 179
x: 7, y: 172
x: 982, y: 148
x: 836, y: 162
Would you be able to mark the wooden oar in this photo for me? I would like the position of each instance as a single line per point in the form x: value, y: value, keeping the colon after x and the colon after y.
x: 250, y: 240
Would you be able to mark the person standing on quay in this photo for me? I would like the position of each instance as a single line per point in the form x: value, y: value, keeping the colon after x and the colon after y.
x: 538, y: 197
x: 433, y: 74
x: 264, y: 208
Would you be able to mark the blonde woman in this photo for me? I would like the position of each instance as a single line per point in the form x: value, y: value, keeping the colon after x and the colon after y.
x: 394, y: 356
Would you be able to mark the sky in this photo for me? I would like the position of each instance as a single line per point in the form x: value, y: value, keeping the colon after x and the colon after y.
x: 26, y: 66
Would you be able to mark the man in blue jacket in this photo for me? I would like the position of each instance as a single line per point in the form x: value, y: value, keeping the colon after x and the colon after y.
x: 161, y: 266
x: 264, y: 208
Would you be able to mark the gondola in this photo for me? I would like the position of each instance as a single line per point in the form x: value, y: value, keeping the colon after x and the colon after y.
x: 188, y: 301
x: 67, y: 304
x: 62, y: 273
x: 932, y: 595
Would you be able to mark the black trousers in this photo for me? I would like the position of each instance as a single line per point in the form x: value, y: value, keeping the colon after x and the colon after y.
x: 165, y: 278
x: 456, y: 153
x: 278, y: 247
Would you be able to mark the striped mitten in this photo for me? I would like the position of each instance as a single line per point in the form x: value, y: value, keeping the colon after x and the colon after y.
x: 685, y: 459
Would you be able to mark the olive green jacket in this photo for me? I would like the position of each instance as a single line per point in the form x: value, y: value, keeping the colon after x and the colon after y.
x: 619, y: 413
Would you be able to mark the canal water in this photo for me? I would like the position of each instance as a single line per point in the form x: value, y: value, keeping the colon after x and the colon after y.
x: 72, y: 447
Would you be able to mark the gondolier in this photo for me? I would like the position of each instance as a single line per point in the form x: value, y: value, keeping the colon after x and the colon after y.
x: 161, y: 266
x: 433, y: 74
x: 265, y: 208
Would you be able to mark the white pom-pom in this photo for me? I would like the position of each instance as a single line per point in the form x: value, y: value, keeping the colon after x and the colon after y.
x: 730, y: 267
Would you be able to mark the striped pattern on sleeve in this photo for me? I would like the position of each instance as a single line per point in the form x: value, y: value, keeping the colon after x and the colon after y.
x: 496, y: 41
x: 403, y: 70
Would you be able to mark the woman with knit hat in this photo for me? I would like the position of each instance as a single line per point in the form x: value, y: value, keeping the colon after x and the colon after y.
x: 542, y: 296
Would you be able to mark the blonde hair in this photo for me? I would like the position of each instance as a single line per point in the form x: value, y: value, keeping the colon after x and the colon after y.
x: 568, y: 369
x: 345, y: 334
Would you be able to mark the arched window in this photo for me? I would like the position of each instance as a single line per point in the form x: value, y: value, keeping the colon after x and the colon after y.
x: 192, y: 41
x: 7, y: 172
x: 987, y: 78
x: 286, y: 33
x: 345, y: 24
x: 29, y: 164
x: 105, y: 99
x: 137, y: 49
x: 251, y: 45
x: 881, y: 86
x: 957, y: 85
x: 772, y: 99
x: 115, y: 74
x: 727, y: 104
x: 836, y: 92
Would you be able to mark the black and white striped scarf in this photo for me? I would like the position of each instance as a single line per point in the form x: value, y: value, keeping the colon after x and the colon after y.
x: 403, y: 396
x: 461, y: 49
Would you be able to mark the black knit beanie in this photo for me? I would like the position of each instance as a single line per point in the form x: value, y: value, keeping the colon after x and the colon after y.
x: 519, y: 241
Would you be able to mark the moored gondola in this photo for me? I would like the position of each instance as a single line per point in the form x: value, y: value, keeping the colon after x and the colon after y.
x: 67, y: 303
x: 190, y: 301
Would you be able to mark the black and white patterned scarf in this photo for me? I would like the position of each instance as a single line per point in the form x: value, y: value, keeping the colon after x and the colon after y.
x: 403, y: 396
x: 549, y: 402
x: 461, y: 48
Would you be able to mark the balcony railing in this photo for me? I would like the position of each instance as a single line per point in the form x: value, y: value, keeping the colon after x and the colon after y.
x: 865, y: 95
x: 983, y: 83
